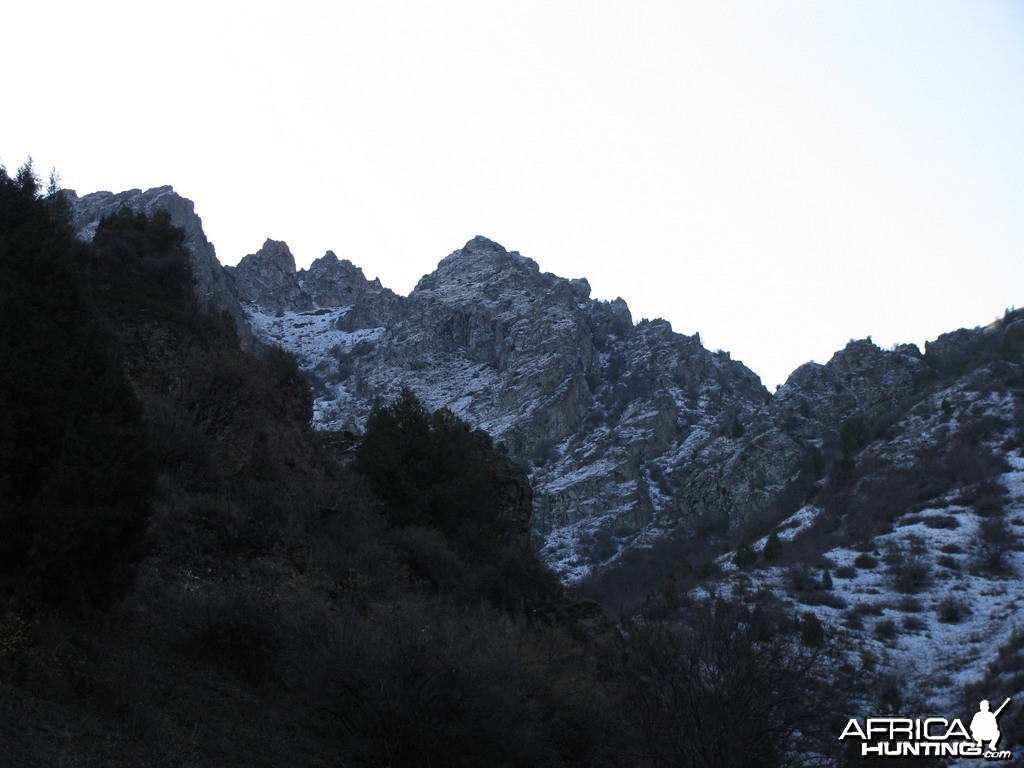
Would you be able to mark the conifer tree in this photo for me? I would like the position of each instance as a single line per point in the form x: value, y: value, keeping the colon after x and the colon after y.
x: 76, y: 470
x: 744, y: 556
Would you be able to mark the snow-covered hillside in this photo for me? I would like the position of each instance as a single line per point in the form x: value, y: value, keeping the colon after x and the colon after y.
x: 931, y: 592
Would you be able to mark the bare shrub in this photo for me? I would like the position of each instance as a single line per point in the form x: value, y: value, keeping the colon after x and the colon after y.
x: 886, y: 630
x: 992, y: 550
x: 801, y: 577
x: 238, y: 627
x: 429, y: 556
x: 865, y: 560
x: 952, y: 610
x: 909, y: 566
x: 989, y: 505
x: 823, y: 597
x: 869, y: 609
x: 740, y: 668
x: 914, y: 624
x: 909, y: 604
x: 968, y: 460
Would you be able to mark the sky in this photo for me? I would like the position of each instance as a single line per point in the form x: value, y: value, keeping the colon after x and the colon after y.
x: 780, y: 177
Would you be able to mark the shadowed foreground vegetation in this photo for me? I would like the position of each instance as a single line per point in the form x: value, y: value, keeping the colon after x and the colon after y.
x: 190, y: 576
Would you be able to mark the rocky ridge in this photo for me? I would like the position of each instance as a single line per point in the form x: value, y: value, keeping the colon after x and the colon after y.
x: 608, y: 414
x: 212, y: 285
x: 887, y: 468
x: 632, y: 432
x: 652, y: 458
x: 912, y: 553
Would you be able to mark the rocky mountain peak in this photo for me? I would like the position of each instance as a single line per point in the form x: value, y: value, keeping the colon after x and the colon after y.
x: 212, y: 287
x: 329, y: 266
x: 481, y: 264
x: 334, y: 282
x: 328, y: 262
x: 481, y: 244
x: 266, y: 277
x: 269, y: 280
x: 611, y: 417
x: 275, y: 257
x: 860, y: 376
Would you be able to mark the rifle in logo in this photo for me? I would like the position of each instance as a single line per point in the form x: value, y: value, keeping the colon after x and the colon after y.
x: 901, y: 736
x: 984, y: 726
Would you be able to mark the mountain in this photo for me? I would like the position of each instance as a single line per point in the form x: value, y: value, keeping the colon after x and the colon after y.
x: 614, y: 418
x: 903, y: 528
x: 212, y: 288
x: 655, y: 462
x: 190, y: 575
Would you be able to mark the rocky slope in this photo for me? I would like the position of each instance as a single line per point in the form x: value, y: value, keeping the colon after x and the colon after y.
x: 646, y: 448
x: 629, y: 429
x: 614, y: 418
x: 212, y: 286
x: 919, y: 523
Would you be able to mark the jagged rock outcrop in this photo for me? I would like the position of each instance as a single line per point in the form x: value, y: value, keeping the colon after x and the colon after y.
x: 212, y: 287
x: 263, y: 275
x: 636, y: 435
x: 609, y: 415
x: 628, y: 430
x: 268, y: 279
x: 917, y: 508
x: 743, y: 481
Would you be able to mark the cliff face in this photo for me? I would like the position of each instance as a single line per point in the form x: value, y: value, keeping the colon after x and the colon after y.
x: 212, y: 284
x: 609, y: 415
x: 630, y: 431
x: 898, y: 471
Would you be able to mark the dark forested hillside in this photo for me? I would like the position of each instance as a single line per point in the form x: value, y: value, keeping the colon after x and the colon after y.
x: 76, y: 463
x: 191, y: 576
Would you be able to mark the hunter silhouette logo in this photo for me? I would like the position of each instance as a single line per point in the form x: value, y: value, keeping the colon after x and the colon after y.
x: 891, y: 736
x: 984, y: 726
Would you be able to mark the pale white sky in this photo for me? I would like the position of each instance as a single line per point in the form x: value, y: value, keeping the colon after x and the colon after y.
x: 779, y: 176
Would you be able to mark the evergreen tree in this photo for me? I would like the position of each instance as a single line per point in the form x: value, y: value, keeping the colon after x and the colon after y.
x: 812, y: 633
x: 142, y: 265
x: 772, y: 548
x: 431, y: 470
x: 75, y: 460
x: 744, y: 557
x: 826, y: 580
